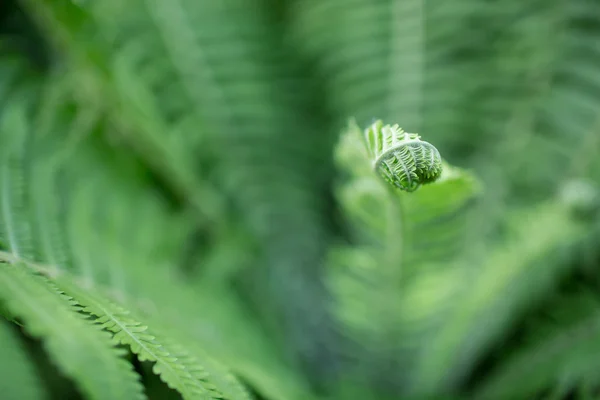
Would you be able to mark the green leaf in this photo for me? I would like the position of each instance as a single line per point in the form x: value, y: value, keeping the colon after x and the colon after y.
x: 94, y: 213
x: 177, y: 367
x: 79, y: 348
x: 182, y: 86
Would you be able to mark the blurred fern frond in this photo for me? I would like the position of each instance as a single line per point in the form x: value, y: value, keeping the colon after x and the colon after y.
x: 69, y: 200
x: 169, y: 168
x: 182, y: 84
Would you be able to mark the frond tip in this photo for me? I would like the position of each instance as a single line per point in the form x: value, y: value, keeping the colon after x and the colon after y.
x: 403, y: 159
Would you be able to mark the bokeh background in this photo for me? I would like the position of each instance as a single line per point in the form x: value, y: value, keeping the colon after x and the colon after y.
x: 184, y: 155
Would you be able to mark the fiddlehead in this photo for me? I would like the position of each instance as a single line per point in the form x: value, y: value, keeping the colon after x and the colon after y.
x: 403, y: 159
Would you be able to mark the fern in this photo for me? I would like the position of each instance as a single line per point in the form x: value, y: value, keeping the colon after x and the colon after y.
x: 178, y: 369
x: 233, y: 109
x: 408, y: 268
x: 167, y: 169
x: 250, y: 355
x: 81, y: 350
x: 39, y: 210
x: 491, y: 87
x: 380, y: 266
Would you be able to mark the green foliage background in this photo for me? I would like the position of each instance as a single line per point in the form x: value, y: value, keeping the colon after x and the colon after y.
x: 186, y: 213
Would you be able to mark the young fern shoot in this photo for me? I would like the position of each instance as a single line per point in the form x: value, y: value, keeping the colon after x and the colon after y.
x: 403, y: 159
x: 395, y: 276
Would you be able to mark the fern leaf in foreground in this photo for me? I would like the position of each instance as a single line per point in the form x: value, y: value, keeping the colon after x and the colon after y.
x: 250, y: 355
x: 81, y: 350
x: 176, y: 367
x: 19, y: 379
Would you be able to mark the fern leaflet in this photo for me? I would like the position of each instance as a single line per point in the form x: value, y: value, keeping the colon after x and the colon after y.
x: 180, y: 370
x: 79, y: 348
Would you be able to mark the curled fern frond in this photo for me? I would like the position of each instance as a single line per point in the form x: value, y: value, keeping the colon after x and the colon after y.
x: 403, y: 159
